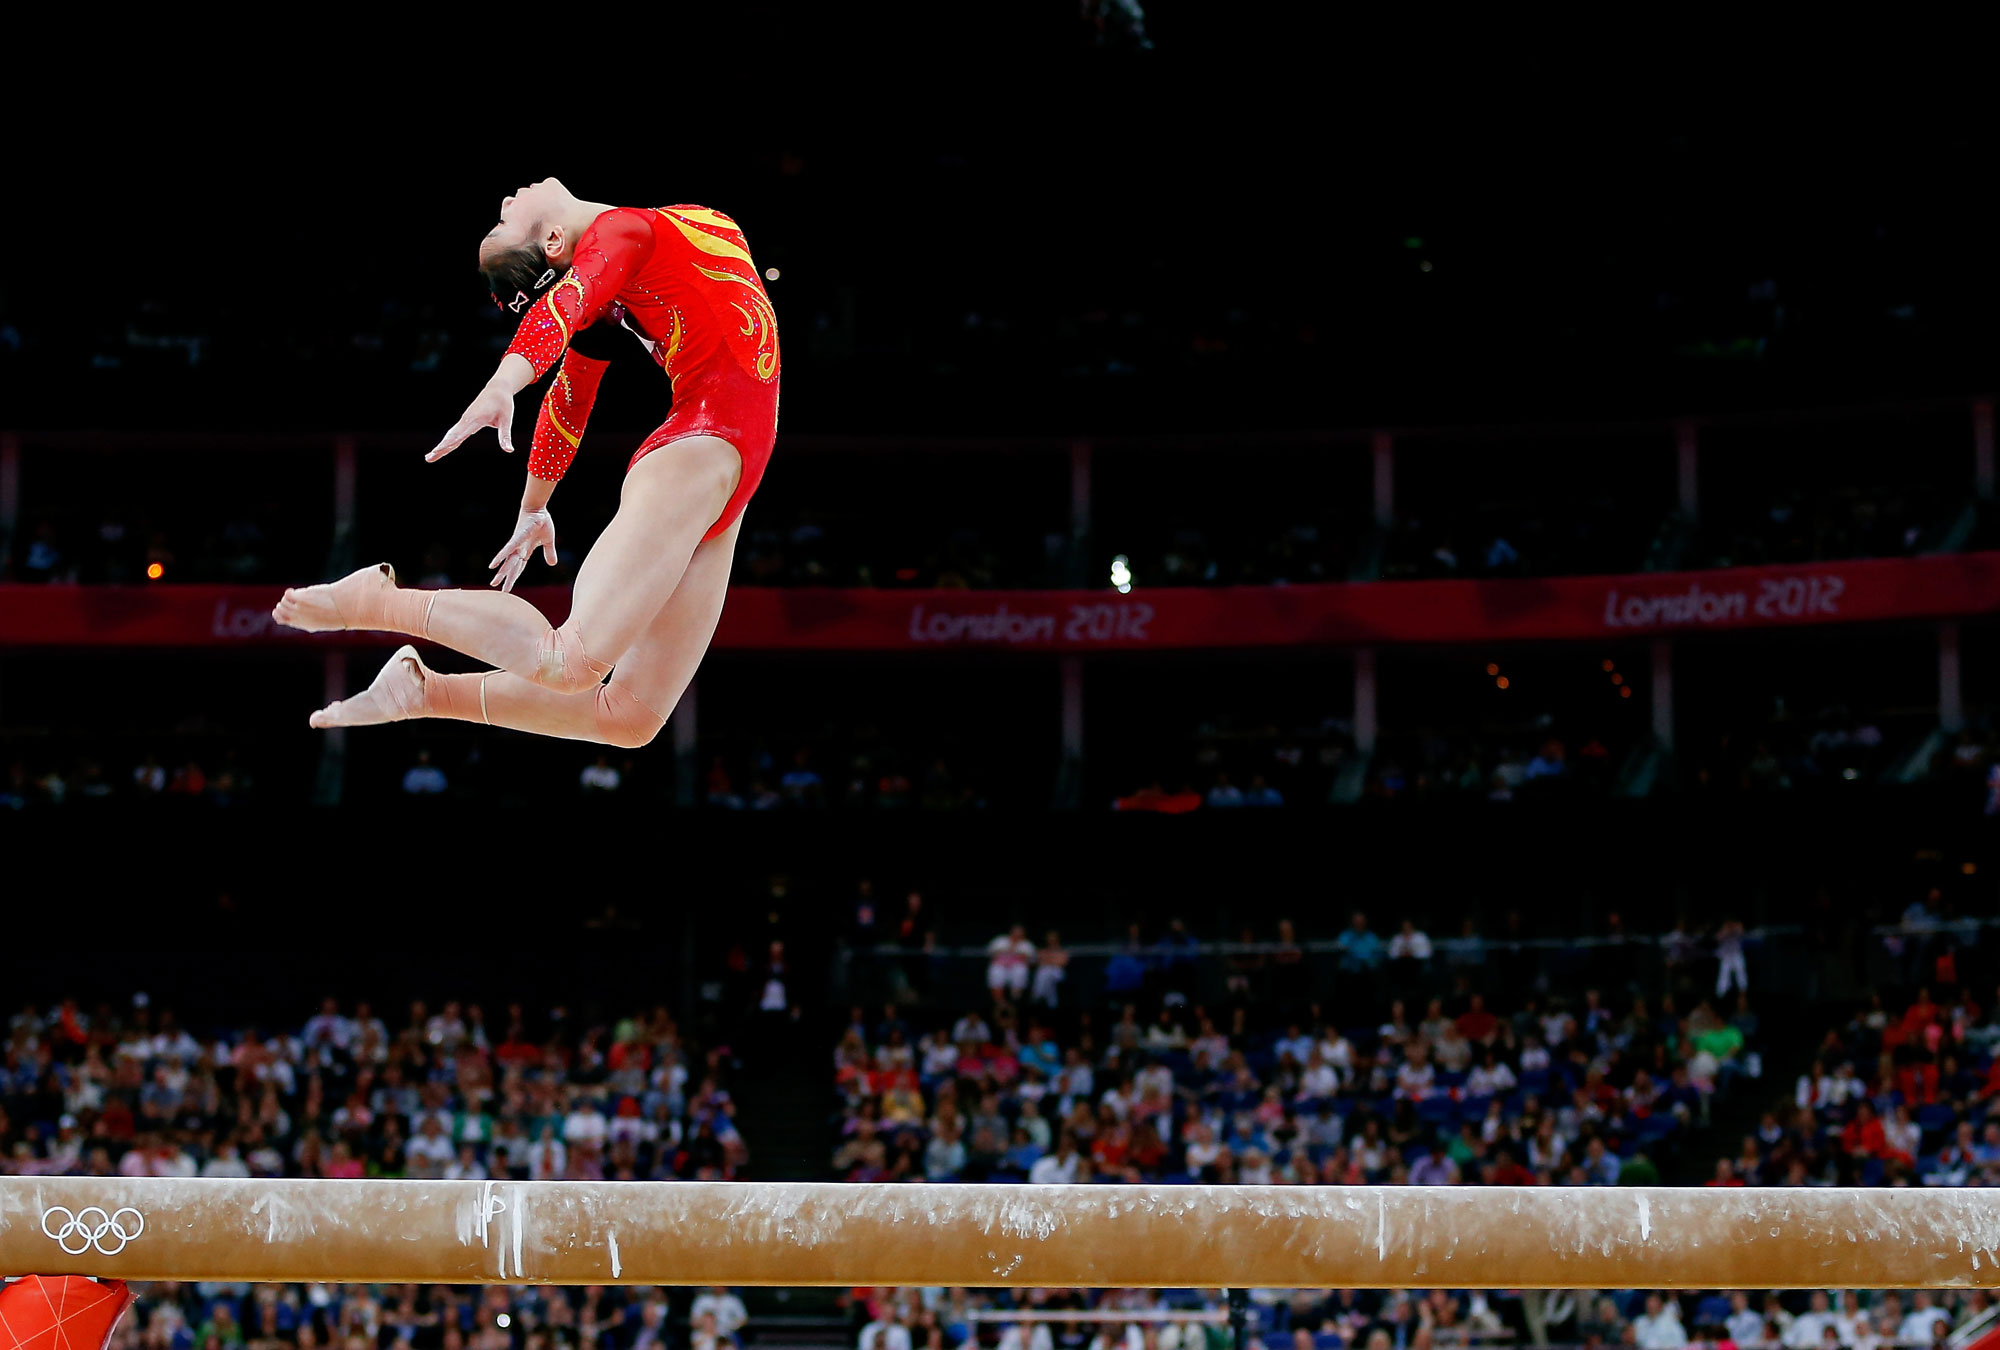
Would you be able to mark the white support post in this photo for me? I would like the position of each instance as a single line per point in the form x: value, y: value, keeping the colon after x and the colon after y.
x: 1982, y: 448
x: 1663, y: 693
x: 1072, y: 710
x: 340, y: 546
x: 686, y: 768
x: 1951, y: 699
x: 1364, y: 700
x: 1079, y: 489
x: 1383, y: 449
x: 331, y: 782
x: 333, y: 685
x: 343, y: 483
x: 10, y: 485
x: 1687, y: 453
x: 1079, y: 513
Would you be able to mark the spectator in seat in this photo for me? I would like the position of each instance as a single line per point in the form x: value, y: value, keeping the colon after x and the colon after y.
x: 1318, y: 1080
x: 1904, y: 1136
x: 1125, y: 973
x: 863, y: 1157
x: 1490, y: 1077
x: 1745, y: 1324
x: 1659, y: 1327
x: 1508, y: 1171
x: 1478, y: 1025
x: 1923, y: 1322
x: 1155, y: 797
x: 801, y: 784
x: 599, y: 776
x: 944, y: 1156
x: 1360, y: 950
x: 466, y: 1167
x: 1058, y: 1168
x: 1051, y: 966
x: 1290, y: 978
x: 1600, y: 1165
x: 1022, y: 1152
x: 429, y: 1152
x: 1731, y: 971
x: 1549, y: 763
x: 1175, y: 960
x: 1409, y: 956
x: 548, y: 1159
x: 1848, y: 1320
x: 1416, y: 1079
x: 1262, y: 794
x: 1452, y: 1051
x: 1864, y: 1136
x: 1025, y: 1336
x: 1808, y: 1327
x: 1008, y: 957
x: 424, y: 779
x: 1433, y: 1167
x: 727, y: 1311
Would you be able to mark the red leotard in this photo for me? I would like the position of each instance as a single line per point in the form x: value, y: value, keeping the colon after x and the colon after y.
x: 682, y: 279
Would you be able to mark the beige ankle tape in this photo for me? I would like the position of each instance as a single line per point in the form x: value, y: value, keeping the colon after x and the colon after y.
x: 482, y: 696
x: 425, y: 631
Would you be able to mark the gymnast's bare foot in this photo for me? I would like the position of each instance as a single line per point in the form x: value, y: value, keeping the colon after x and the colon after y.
x: 350, y: 602
x: 396, y: 694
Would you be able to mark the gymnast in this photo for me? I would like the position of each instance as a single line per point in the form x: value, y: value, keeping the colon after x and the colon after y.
x: 678, y: 280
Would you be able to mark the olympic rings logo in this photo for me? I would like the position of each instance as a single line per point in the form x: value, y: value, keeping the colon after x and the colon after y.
x: 87, y: 1233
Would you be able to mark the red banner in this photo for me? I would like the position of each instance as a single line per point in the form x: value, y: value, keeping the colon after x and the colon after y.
x: 1545, y: 609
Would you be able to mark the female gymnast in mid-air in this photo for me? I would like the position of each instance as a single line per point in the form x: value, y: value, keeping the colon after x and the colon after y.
x: 679, y: 281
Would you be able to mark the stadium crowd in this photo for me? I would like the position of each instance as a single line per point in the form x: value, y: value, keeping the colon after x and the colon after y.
x: 1899, y: 1096
x: 1586, y: 1086
x: 133, y: 1092
x: 1421, y: 1061
x: 1337, y: 1319
x: 437, y: 1317
x: 1496, y: 533
x: 1235, y: 761
x: 1568, y: 754
x: 1391, y: 1081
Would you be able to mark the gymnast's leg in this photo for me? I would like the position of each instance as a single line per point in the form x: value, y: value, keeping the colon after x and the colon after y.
x: 670, y: 499
x: 651, y: 675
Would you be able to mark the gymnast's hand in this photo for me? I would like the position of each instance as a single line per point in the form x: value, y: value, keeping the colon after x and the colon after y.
x: 493, y: 408
x: 535, y: 529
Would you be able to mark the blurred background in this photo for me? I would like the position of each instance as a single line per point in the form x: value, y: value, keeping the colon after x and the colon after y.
x: 1307, y: 623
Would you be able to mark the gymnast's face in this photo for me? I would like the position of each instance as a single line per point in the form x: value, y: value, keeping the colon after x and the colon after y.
x: 529, y: 215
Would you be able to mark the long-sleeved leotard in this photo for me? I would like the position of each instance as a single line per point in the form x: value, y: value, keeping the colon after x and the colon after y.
x: 681, y: 278
x: 565, y: 410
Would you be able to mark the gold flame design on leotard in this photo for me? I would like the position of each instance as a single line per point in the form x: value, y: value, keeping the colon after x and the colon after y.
x: 759, y: 320
x: 552, y: 405
x: 665, y: 350
x: 569, y: 282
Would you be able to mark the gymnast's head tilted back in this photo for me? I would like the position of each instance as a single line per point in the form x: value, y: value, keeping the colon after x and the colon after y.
x: 530, y: 245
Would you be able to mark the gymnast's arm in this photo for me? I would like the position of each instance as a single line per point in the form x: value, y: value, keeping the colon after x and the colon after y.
x: 559, y: 428
x: 616, y: 245
x: 565, y: 410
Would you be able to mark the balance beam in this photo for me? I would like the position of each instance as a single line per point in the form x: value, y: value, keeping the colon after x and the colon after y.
x: 787, y: 1233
